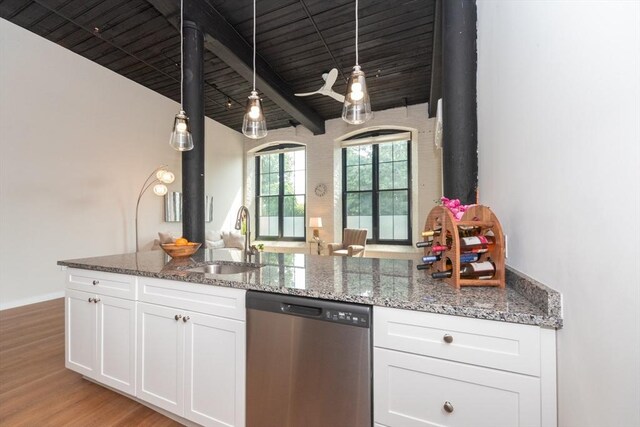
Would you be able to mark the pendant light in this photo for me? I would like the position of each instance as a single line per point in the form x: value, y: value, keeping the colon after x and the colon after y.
x: 357, y: 106
x: 254, y: 125
x: 181, y: 138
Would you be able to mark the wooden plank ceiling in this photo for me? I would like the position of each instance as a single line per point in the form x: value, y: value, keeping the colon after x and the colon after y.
x: 299, y: 39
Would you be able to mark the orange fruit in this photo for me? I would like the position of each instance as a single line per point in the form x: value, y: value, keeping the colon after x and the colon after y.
x: 182, y: 241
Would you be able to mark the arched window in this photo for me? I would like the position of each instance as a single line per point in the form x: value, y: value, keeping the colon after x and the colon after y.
x: 280, y: 192
x: 376, y: 185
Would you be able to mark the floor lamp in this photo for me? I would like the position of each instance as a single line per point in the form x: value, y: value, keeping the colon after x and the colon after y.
x: 157, y: 179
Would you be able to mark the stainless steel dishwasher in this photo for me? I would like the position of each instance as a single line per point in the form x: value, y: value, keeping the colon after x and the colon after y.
x: 308, y: 362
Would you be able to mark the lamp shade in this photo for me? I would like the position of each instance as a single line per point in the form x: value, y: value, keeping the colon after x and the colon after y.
x: 181, y: 138
x: 357, y: 106
x: 254, y: 125
x: 315, y: 222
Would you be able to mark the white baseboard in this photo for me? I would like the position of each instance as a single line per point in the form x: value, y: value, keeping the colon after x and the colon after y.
x: 31, y: 300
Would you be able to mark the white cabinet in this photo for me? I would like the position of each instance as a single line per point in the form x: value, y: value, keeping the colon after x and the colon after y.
x: 100, y: 338
x: 438, y: 370
x: 190, y: 363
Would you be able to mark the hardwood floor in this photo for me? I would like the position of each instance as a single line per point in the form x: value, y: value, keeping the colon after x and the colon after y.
x: 37, y: 390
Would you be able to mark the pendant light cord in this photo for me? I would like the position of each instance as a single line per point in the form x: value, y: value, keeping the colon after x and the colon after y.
x: 181, y: 55
x: 357, y: 33
x: 254, y: 45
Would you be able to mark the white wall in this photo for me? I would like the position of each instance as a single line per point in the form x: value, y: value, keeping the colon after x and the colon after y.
x: 559, y: 162
x: 324, y: 165
x: 77, y: 143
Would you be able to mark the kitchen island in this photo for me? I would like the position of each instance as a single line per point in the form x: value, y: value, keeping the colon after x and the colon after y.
x: 174, y: 337
x: 378, y: 282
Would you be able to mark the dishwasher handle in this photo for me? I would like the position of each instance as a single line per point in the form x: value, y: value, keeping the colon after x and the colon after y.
x: 301, y: 310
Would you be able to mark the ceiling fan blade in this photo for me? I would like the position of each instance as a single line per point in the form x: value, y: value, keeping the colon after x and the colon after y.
x: 331, y: 78
x: 336, y: 96
x: 306, y: 93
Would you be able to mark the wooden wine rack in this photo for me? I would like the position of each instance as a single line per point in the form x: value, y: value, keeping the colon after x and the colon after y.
x: 476, y: 216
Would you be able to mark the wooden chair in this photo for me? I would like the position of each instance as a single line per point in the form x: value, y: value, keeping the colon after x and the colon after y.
x: 353, y: 243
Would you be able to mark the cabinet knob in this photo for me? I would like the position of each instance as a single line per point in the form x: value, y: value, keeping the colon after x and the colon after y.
x: 185, y: 319
x: 95, y: 282
x: 90, y: 300
x: 96, y: 300
x: 448, y: 407
x: 177, y: 317
x: 448, y: 339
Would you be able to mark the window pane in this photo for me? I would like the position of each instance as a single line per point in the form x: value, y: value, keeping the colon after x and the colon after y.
x: 264, y: 164
x: 299, y: 182
x: 353, y: 204
x: 353, y: 178
x: 385, y: 152
x: 293, y: 217
x: 385, y: 202
x: 274, y: 184
x: 385, y: 176
x: 264, y: 184
x: 366, y: 154
x: 366, y: 177
x: 400, y: 176
x: 352, y: 155
x: 366, y: 204
x: 289, y: 162
x: 268, y: 212
x: 300, y: 159
x: 289, y: 183
x: 400, y: 150
x: 401, y: 202
x: 274, y: 163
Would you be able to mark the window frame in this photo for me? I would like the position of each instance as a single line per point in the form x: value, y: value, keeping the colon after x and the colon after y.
x: 375, y: 187
x: 280, y: 150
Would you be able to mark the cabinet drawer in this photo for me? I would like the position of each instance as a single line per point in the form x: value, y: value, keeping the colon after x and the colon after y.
x: 416, y: 391
x: 208, y: 299
x: 115, y: 285
x: 501, y: 345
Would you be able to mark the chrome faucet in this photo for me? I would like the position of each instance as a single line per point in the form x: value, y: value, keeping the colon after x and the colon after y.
x: 247, y: 236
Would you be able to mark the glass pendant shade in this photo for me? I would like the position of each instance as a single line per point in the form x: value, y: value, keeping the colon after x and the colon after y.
x: 254, y: 125
x: 357, y: 106
x: 181, y: 138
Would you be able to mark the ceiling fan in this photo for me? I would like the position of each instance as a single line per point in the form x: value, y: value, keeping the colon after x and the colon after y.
x: 329, y: 79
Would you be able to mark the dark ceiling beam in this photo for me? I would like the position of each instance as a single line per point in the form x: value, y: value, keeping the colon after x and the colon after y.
x: 223, y: 40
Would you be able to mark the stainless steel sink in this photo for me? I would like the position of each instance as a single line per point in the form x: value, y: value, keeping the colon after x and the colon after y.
x: 223, y: 269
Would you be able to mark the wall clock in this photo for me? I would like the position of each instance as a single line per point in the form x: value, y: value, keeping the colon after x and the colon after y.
x: 320, y: 190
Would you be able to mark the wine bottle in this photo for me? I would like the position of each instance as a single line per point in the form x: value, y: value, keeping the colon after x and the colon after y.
x: 470, y: 257
x: 477, y: 244
x: 430, y: 258
x: 431, y: 233
x: 423, y: 266
x: 439, y: 248
x: 472, y: 270
x: 424, y: 244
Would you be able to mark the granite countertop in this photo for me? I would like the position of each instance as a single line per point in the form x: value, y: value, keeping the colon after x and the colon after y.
x: 379, y: 282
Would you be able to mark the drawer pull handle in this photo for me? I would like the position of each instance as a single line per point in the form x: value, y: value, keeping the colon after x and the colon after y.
x: 448, y: 339
x: 448, y: 407
x: 177, y: 317
x: 95, y: 282
x: 185, y: 319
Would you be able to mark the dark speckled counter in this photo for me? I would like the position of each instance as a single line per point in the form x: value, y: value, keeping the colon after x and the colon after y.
x: 379, y: 282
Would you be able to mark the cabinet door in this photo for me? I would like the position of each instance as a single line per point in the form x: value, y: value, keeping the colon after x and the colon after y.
x: 214, y: 370
x: 116, y: 342
x: 159, y: 378
x: 418, y: 391
x: 80, y: 332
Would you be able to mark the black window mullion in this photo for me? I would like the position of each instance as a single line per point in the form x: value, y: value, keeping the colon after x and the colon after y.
x: 375, y: 188
x: 281, y: 196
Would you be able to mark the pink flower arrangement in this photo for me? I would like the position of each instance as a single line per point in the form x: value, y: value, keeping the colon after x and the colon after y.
x: 454, y: 205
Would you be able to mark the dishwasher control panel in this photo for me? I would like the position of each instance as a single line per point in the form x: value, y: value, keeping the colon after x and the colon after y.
x: 346, y: 317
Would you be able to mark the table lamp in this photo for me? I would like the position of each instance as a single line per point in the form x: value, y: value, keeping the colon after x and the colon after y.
x: 315, y: 223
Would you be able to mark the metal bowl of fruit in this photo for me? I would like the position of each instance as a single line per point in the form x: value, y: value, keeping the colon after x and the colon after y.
x: 181, y: 248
